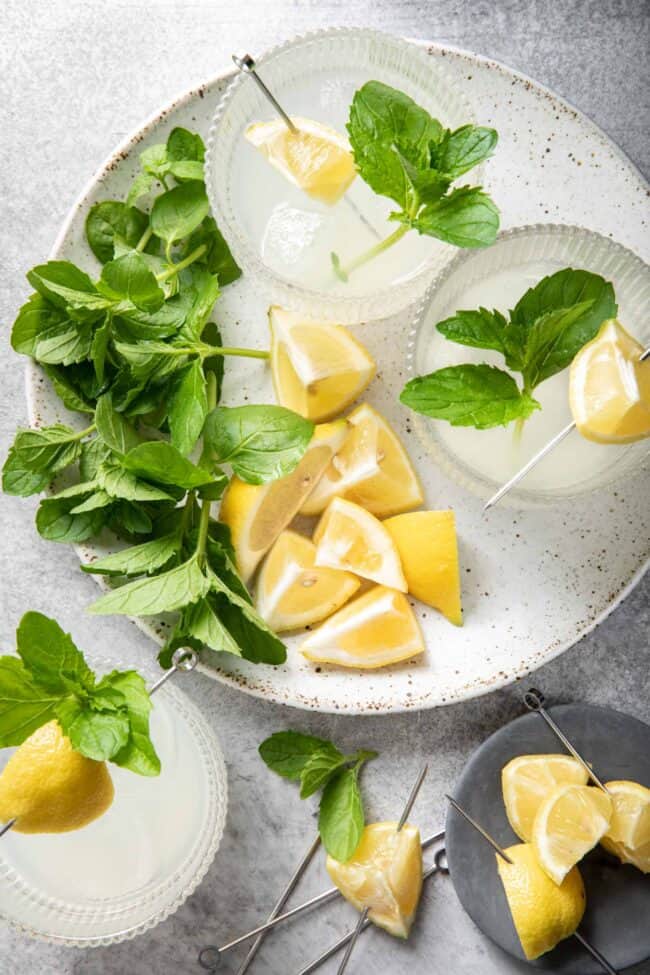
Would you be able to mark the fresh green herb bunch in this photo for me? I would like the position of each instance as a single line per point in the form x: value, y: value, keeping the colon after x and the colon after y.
x: 403, y: 153
x: 540, y: 337
x: 105, y: 719
x: 318, y: 764
x: 136, y: 351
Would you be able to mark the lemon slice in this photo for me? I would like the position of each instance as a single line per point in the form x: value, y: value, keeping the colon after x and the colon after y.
x: 383, y: 875
x: 543, y: 912
x: 257, y: 513
x: 349, y: 537
x: 48, y: 787
x: 372, y: 469
x: 638, y: 857
x: 293, y: 592
x: 630, y: 823
x: 318, y: 369
x: 528, y: 779
x: 609, y: 387
x: 374, y: 630
x: 569, y: 823
x: 316, y: 158
x: 428, y: 549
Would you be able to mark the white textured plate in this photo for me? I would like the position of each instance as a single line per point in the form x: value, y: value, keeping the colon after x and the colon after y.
x: 533, y: 582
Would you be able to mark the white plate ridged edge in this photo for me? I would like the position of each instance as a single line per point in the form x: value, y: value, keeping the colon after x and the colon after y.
x: 545, y: 612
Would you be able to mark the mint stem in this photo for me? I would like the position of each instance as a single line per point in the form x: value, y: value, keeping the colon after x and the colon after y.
x: 84, y: 433
x: 204, y: 521
x: 171, y: 271
x: 144, y: 240
x: 344, y: 271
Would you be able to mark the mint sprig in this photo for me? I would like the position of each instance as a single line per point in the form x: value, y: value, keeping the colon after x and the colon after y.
x: 319, y: 765
x: 538, y: 339
x: 105, y: 719
x: 403, y: 153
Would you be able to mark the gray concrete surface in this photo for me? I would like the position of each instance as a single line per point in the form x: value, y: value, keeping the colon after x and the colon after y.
x: 75, y: 78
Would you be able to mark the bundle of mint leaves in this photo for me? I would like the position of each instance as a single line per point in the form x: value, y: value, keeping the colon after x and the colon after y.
x: 547, y: 327
x: 319, y: 765
x: 137, y: 353
x: 403, y: 153
x: 105, y: 719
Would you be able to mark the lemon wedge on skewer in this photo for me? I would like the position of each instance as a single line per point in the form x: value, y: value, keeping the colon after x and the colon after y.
x: 609, y: 387
x: 257, y: 513
x: 348, y: 537
x: 318, y: 368
x: 527, y: 780
x: 293, y: 592
x: 372, y: 469
x: 374, y: 630
x: 628, y: 836
x: 383, y: 875
x: 569, y: 823
x: 315, y: 158
x: 543, y: 912
x: 428, y: 549
x: 48, y: 787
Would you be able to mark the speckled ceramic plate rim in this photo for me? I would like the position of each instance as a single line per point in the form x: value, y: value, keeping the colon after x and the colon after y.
x: 264, y: 689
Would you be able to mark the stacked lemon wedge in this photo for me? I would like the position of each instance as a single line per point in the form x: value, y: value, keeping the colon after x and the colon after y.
x: 358, y: 479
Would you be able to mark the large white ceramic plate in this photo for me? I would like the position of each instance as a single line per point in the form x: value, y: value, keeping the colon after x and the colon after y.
x: 533, y: 582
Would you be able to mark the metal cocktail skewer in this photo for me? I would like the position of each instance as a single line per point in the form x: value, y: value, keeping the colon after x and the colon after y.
x: 539, y: 456
x: 439, y: 866
x: 246, y: 65
x: 504, y: 856
x: 210, y: 957
x: 183, y: 660
x: 283, y: 898
x: 364, y: 914
x: 534, y: 701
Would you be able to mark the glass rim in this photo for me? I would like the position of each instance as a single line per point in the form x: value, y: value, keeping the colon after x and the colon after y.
x: 335, y: 307
x: 447, y: 460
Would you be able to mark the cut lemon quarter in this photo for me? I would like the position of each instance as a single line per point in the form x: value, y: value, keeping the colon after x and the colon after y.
x: 630, y: 823
x: 569, y: 823
x: 315, y: 158
x: 374, y: 630
x: 384, y: 875
x: 609, y: 387
x: 529, y: 779
x: 293, y: 592
x: 348, y: 537
x: 372, y: 469
x: 257, y: 513
x: 428, y: 549
x: 638, y: 857
x: 318, y: 369
x: 543, y: 912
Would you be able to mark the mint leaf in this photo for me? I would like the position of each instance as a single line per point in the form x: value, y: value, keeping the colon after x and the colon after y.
x: 546, y: 346
x: 49, y: 334
x: 185, y: 145
x: 466, y: 147
x: 109, y: 219
x: 67, y: 391
x: 129, y: 278
x: 138, y: 754
x: 178, y: 212
x: 65, y: 285
x: 24, y: 706
x: 341, y: 819
x: 188, y: 407
x: 289, y: 752
x: 262, y: 443
x: 201, y: 622
x: 119, y: 482
x: 96, y: 734
x: 257, y: 641
x: 50, y: 655
x: 162, y: 462
x: 137, y: 559
x: 217, y: 258
x: 481, y: 396
x: 481, y: 329
x: 36, y: 456
x: 466, y: 217
x: 113, y: 428
x: 56, y: 521
x: 157, y: 594
x: 140, y: 185
x: 319, y: 770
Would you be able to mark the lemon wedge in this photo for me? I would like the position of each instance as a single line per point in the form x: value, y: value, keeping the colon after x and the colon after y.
x: 372, y: 469
x: 315, y: 158
x: 543, y: 912
x: 318, y: 369
x: 638, y: 857
x: 428, y: 549
x: 293, y: 592
x: 630, y: 823
x: 48, y: 787
x: 348, y: 537
x: 383, y: 875
x: 569, y: 823
x: 257, y: 513
x: 374, y: 630
x: 528, y: 779
x: 609, y: 387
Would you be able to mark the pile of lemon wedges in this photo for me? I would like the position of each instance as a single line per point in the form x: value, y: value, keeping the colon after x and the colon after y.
x: 357, y: 479
x: 560, y: 819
